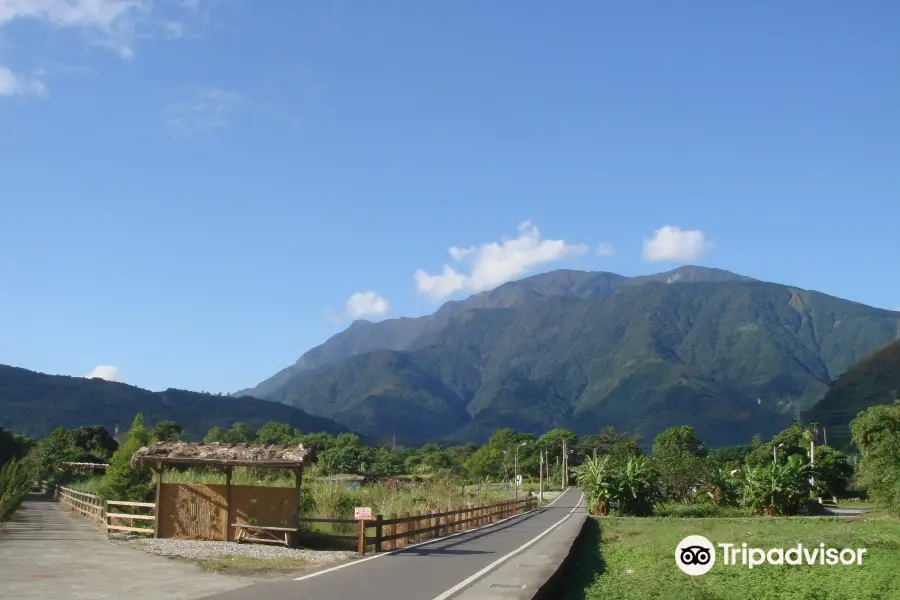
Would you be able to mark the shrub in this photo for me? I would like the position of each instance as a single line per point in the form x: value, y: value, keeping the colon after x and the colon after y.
x: 776, y: 489
x: 702, y: 510
x: 15, y: 481
x: 121, y: 482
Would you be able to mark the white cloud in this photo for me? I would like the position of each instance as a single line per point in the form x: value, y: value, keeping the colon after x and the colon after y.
x: 671, y: 243
x: 104, y: 372
x: 494, y: 263
x: 204, y: 110
x: 12, y: 84
x: 112, y: 24
x: 109, y: 23
x: 174, y: 29
x: 605, y: 249
x: 361, y: 305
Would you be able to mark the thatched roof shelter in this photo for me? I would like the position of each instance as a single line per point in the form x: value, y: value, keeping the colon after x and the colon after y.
x: 221, y: 455
x: 83, y: 465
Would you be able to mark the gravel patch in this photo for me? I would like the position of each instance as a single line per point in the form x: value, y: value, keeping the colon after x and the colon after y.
x: 197, y: 549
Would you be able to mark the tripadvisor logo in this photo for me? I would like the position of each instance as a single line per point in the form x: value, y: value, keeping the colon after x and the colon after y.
x: 696, y: 555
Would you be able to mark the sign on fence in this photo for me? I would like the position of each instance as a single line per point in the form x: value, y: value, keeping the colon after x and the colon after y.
x: 362, y: 512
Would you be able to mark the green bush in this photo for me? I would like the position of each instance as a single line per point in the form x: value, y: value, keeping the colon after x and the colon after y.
x: 15, y: 482
x: 777, y: 489
x: 699, y: 510
x: 121, y: 482
x: 876, y: 432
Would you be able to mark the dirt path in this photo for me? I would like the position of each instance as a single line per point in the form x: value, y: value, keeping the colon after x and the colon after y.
x: 46, y: 552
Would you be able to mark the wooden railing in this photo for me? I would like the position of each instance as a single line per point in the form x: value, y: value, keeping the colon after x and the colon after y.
x: 131, y: 520
x: 82, y: 503
x: 109, y: 514
x: 404, y: 529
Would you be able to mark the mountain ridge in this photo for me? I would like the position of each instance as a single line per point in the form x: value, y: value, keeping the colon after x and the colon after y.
x: 398, y: 334
x: 730, y: 357
x: 872, y: 381
x: 35, y: 403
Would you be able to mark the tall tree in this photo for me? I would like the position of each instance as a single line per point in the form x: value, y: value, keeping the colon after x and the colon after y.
x: 876, y: 432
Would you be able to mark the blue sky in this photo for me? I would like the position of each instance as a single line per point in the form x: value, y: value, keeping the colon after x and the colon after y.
x: 192, y: 192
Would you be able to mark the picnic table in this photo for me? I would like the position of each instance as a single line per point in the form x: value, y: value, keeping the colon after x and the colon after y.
x: 263, y: 534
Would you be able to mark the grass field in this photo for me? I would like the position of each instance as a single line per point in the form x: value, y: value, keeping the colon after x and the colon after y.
x: 634, y: 559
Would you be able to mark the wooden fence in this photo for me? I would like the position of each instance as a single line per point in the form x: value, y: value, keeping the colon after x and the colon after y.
x: 115, y: 520
x: 404, y: 529
x: 111, y: 515
x: 82, y: 503
x: 380, y: 534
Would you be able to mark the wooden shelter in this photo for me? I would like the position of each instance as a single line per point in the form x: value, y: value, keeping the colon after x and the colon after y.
x: 83, y: 466
x: 225, y: 512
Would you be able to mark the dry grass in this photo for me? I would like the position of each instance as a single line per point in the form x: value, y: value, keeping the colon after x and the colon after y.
x: 250, y: 566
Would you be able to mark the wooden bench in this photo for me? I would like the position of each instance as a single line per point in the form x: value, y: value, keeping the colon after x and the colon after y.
x: 263, y: 534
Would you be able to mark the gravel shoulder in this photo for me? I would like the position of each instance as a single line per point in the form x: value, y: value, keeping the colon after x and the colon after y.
x: 230, y: 558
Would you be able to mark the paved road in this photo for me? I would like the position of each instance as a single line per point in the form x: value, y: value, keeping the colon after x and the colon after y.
x: 426, y: 572
x: 47, y: 552
x: 846, y: 512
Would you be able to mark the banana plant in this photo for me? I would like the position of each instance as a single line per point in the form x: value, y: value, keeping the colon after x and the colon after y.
x: 598, y: 482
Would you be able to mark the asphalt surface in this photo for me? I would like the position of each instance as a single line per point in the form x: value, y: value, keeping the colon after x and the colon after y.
x: 425, y: 572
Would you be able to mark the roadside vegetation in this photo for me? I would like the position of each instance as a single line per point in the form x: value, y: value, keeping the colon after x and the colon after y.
x: 761, y: 495
x: 15, y: 473
x: 344, y: 473
x: 633, y: 559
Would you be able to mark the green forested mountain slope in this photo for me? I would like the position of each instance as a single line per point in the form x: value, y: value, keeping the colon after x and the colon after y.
x: 400, y: 334
x: 730, y: 358
x: 873, y: 380
x: 35, y: 403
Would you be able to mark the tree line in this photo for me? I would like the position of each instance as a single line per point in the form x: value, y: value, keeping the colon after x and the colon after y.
x: 616, y: 471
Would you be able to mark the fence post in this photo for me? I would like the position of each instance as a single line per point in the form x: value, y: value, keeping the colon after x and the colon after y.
x: 361, y: 541
x: 405, y: 515
x: 393, y: 542
x: 378, y: 519
x: 417, y: 519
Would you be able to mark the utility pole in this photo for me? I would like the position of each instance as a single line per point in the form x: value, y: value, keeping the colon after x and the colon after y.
x: 825, y: 435
x: 541, y: 479
x: 516, y: 473
x: 812, y: 461
x: 595, y: 454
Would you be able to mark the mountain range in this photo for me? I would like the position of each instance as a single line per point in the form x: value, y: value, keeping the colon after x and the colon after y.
x: 725, y: 353
x: 36, y: 403
x: 873, y: 380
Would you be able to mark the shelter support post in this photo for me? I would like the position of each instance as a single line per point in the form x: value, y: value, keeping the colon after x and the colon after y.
x: 158, y: 475
x: 228, y: 518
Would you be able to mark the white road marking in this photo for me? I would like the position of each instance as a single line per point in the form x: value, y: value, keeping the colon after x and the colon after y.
x: 466, y: 582
x: 453, y: 535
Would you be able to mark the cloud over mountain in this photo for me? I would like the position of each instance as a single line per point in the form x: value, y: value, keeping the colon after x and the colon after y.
x: 493, y: 263
x: 671, y: 243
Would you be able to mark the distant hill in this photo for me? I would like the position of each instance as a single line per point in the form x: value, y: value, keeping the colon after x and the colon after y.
x: 399, y: 334
x: 35, y: 403
x: 728, y: 355
x: 873, y: 380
